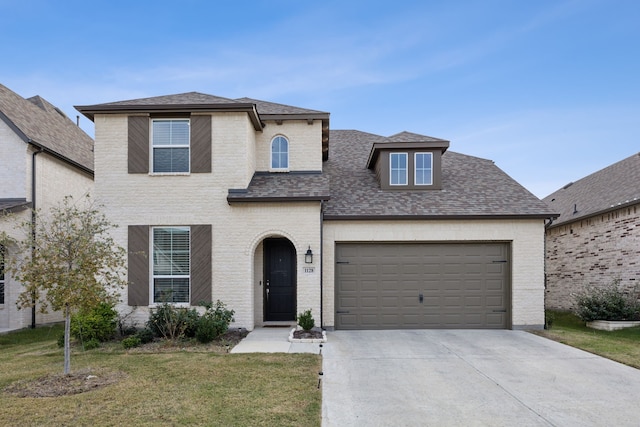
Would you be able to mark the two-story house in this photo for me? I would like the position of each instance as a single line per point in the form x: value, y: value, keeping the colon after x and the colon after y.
x: 44, y: 157
x: 261, y: 206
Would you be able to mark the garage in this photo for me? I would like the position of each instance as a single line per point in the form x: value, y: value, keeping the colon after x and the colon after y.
x: 422, y: 286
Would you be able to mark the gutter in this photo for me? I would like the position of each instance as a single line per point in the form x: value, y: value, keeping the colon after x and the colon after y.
x: 321, y: 260
x: 33, y: 221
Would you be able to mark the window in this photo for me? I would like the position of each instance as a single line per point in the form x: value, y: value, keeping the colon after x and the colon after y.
x: 1, y: 274
x: 170, y: 141
x: 398, y: 175
x: 279, y: 153
x: 171, y: 264
x: 424, y: 168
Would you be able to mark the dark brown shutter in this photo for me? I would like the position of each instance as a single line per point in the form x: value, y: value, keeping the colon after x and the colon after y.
x: 138, y: 153
x: 200, y: 264
x: 138, y: 265
x: 200, y: 144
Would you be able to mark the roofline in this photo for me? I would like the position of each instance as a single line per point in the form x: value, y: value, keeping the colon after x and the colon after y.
x: 330, y: 217
x: 443, y: 144
x: 41, y: 147
x: 232, y: 199
x: 65, y: 159
x: 591, y: 215
x: 89, y: 111
x: 21, y: 204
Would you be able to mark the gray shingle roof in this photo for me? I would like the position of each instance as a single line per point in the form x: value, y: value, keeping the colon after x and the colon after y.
x: 471, y: 187
x: 271, y: 108
x: 188, y: 98
x: 45, y: 125
x: 10, y: 205
x: 610, y: 188
x: 292, y: 186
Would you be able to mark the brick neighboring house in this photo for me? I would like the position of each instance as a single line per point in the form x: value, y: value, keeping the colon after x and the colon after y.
x: 596, y: 238
x: 260, y: 205
x: 44, y: 157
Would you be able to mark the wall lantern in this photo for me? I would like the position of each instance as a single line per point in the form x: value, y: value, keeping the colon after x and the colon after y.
x: 308, y: 257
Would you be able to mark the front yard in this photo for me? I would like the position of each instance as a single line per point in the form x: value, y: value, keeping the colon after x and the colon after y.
x: 174, y: 386
x: 622, y: 346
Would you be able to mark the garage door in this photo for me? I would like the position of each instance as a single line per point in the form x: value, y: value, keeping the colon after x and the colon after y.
x: 425, y: 285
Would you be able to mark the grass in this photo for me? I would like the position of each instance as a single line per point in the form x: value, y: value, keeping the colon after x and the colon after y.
x: 622, y: 346
x: 166, y: 388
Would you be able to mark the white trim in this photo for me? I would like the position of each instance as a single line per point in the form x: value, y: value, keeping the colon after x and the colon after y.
x: 153, y: 147
x: 152, y: 276
x: 285, y: 169
x: 415, y: 167
x: 406, y: 169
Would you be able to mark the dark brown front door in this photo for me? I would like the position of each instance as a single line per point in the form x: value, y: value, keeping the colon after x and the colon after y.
x: 280, y: 280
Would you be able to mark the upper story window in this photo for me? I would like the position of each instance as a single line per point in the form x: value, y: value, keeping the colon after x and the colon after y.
x: 423, y: 168
x: 398, y: 168
x: 171, y: 264
x: 170, y: 142
x: 279, y: 153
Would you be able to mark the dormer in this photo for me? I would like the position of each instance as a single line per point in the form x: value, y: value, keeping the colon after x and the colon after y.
x: 408, y: 161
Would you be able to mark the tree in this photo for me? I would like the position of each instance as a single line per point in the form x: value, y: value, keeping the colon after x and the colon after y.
x: 68, y: 262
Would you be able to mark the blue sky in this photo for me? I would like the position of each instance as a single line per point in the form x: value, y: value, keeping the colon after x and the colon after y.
x: 549, y: 90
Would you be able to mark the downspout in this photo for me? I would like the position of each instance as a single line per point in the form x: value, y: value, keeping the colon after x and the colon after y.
x: 321, y: 258
x: 33, y: 222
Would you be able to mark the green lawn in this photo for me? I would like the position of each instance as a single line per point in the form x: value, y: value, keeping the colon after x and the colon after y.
x: 168, y: 387
x: 622, y: 346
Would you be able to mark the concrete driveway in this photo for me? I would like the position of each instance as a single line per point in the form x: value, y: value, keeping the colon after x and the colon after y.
x: 471, y: 378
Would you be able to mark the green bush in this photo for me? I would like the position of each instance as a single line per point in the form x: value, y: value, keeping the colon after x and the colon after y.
x: 96, y: 324
x: 191, y: 318
x: 305, y: 320
x: 170, y: 322
x: 607, y: 303
x: 131, y: 342
x: 144, y: 335
x: 61, y: 340
x: 91, y: 344
x: 214, y: 322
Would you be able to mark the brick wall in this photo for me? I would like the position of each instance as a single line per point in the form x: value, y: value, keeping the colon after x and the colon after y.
x: 592, y: 251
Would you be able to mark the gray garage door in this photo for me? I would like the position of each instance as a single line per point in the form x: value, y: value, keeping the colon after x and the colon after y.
x: 425, y: 285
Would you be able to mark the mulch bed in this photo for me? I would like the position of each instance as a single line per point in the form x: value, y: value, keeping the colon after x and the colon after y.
x: 299, y: 334
x: 62, y: 385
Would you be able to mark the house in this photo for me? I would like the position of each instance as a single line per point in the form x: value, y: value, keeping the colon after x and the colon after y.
x: 44, y: 157
x: 596, y: 239
x: 261, y: 206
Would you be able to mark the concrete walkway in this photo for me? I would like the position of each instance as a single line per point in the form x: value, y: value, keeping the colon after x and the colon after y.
x: 273, y: 340
x: 471, y: 378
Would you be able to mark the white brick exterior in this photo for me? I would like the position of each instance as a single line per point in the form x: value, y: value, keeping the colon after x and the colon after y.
x: 526, y: 238
x: 13, y: 164
x: 305, y: 150
x: 238, y: 230
x: 54, y: 180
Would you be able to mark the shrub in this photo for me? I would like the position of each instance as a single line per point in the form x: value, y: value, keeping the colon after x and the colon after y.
x: 191, y: 318
x: 168, y: 321
x: 214, y: 322
x: 131, y: 342
x: 305, y: 320
x: 91, y: 344
x: 144, y: 335
x: 61, y: 340
x: 607, y: 303
x: 96, y: 324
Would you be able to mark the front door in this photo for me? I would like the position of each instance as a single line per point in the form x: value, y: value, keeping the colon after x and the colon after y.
x: 279, y: 280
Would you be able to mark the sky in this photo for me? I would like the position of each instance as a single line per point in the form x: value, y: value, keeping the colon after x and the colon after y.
x: 547, y: 89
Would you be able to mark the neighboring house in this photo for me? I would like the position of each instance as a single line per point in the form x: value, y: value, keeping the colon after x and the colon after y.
x: 259, y: 205
x: 44, y: 157
x: 596, y: 238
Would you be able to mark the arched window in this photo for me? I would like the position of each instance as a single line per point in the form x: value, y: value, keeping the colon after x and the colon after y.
x: 279, y: 153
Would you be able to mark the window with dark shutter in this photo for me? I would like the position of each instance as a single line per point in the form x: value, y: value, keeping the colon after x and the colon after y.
x: 138, y: 263
x: 138, y: 140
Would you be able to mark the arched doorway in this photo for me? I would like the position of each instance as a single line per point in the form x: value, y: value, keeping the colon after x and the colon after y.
x: 280, y: 280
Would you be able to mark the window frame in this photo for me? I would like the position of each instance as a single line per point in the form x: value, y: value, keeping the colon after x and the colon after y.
x: 406, y: 168
x: 287, y: 153
x: 169, y: 146
x: 415, y: 168
x: 153, y: 276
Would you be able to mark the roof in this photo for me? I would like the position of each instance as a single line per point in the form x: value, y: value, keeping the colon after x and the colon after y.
x: 195, y: 101
x: 471, y: 187
x: 283, y: 186
x: 13, y: 205
x: 610, y: 188
x: 405, y: 140
x: 40, y: 123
